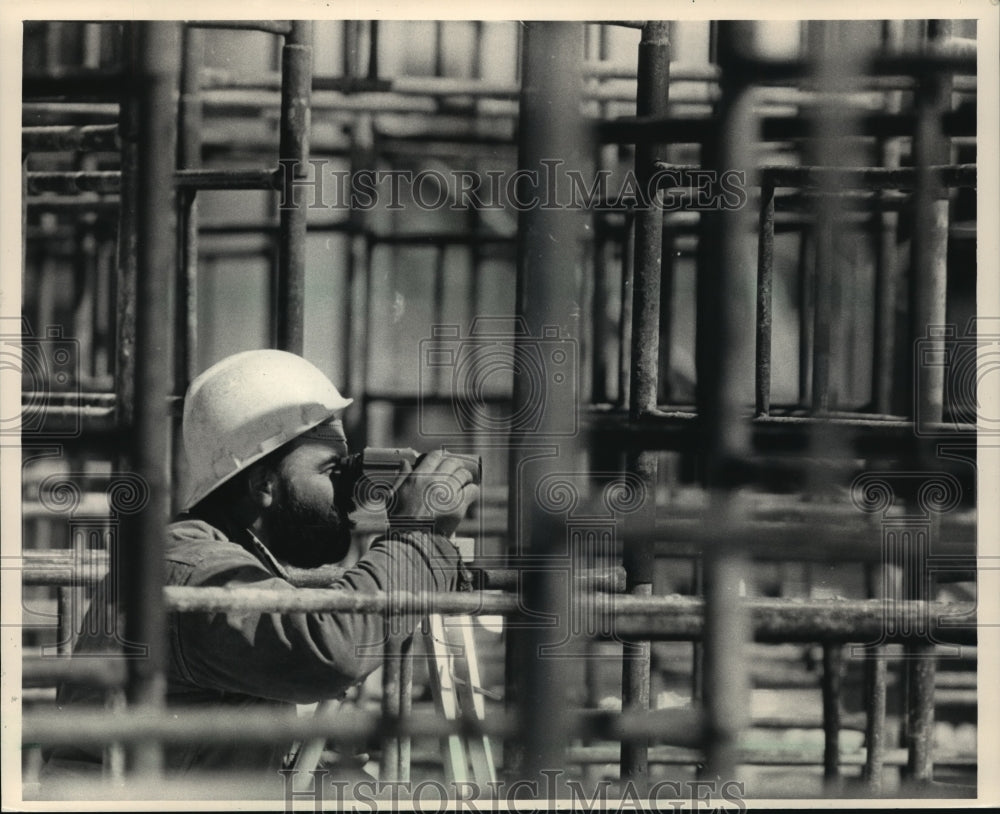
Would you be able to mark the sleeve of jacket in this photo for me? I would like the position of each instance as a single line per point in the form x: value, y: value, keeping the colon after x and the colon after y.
x: 303, y: 657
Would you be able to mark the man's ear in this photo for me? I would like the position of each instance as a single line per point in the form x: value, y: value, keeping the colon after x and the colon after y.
x: 261, y: 483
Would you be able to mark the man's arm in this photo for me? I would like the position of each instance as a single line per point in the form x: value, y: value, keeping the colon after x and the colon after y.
x: 304, y: 657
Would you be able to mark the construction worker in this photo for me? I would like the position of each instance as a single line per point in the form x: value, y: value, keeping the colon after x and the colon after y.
x: 264, y: 440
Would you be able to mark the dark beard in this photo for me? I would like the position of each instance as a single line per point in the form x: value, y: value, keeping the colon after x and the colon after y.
x: 305, y: 538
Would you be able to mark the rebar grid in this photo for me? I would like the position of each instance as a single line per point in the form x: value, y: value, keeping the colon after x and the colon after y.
x: 717, y: 414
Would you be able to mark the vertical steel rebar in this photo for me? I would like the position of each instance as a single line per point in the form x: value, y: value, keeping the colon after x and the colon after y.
x: 296, y: 92
x: 806, y: 303
x: 189, y: 157
x: 604, y: 159
x: 651, y: 100
x: 831, y: 684
x: 885, y: 310
x: 765, y: 275
x: 667, y: 271
x: 125, y: 276
x: 349, y: 54
x: 186, y: 314
x: 550, y: 125
x: 725, y: 249
x: 930, y: 240
x: 625, y: 322
x: 822, y: 310
x: 391, y: 666
x: 638, y: 560
x: 875, y: 698
x: 357, y: 312
x: 158, y: 49
x: 439, y: 40
x: 405, y: 704
x: 834, y: 48
x: 885, y: 223
x: 928, y: 311
x: 921, y: 669
x: 373, y: 49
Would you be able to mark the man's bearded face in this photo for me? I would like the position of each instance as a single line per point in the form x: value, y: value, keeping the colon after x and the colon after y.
x: 308, y: 523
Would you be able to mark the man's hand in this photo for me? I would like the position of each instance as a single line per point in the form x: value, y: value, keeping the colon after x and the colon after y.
x: 438, y: 490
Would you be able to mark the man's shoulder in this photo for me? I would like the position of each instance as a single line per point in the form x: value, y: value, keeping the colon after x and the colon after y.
x: 194, y: 542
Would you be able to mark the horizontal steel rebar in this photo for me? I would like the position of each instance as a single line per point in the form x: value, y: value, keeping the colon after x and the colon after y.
x: 666, y: 617
x: 69, y: 137
x: 872, y: 178
x: 674, y: 429
x: 66, y: 568
x: 110, y: 181
x: 861, y: 436
x: 94, y: 671
x: 854, y: 178
x: 682, y: 727
x: 83, y: 203
x: 696, y: 129
x: 791, y: 754
x: 279, y: 27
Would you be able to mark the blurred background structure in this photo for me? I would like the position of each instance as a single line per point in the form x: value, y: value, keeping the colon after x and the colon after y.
x: 760, y: 395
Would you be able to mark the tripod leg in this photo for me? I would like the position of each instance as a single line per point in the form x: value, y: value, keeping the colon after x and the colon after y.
x: 459, y: 633
x: 439, y: 664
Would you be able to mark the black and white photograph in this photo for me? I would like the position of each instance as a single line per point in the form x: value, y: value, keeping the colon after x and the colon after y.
x: 499, y: 408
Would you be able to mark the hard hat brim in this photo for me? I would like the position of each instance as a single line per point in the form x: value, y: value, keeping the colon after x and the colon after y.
x: 204, y: 488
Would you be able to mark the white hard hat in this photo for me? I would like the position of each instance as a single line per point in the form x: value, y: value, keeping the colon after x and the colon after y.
x: 248, y: 405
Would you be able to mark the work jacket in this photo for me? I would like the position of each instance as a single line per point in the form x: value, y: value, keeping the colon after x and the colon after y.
x: 249, y: 660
